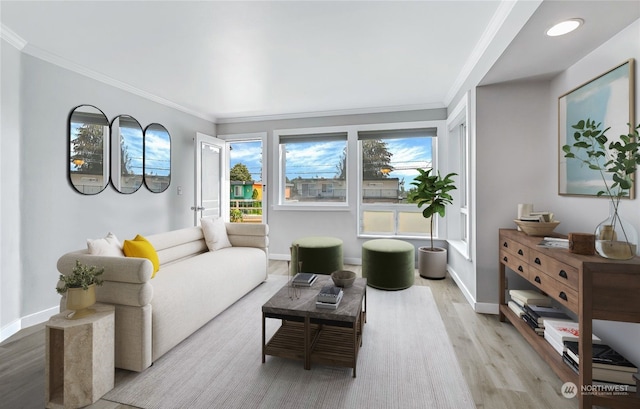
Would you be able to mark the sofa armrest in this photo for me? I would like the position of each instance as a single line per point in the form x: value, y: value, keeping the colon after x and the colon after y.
x: 126, y: 285
x: 248, y: 235
x: 120, y: 269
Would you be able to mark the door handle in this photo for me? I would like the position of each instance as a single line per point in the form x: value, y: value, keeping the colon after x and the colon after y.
x: 197, y: 208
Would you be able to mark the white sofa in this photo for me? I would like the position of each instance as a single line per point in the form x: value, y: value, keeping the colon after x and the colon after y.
x: 192, y: 286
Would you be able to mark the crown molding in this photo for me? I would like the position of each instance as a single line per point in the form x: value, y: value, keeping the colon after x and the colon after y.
x: 26, y: 48
x: 338, y: 112
x: 498, y: 19
x: 12, y: 38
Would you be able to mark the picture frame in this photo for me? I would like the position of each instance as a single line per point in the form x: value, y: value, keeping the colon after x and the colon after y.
x: 607, y: 99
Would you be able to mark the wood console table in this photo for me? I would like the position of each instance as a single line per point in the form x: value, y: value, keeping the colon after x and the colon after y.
x: 590, y: 286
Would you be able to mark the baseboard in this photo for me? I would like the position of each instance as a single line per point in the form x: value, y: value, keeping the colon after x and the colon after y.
x: 27, y: 321
x: 479, y: 307
x: 282, y: 257
x: 486, y: 308
x: 9, y: 330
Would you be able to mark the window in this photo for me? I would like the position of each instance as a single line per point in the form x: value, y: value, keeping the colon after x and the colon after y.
x: 389, y: 159
x: 459, y: 222
x: 313, y: 168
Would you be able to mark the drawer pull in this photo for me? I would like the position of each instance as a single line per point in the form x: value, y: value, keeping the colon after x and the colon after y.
x: 537, y: 261
x: 505, y: 259
x: 537, y: 280
x: 563, y: 295
x: 520, y: 269
x: 520, y: 252
x: 505, y: 244
x: 563, y: 274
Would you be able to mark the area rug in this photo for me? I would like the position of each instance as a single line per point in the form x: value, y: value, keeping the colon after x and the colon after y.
x: 406, y: 361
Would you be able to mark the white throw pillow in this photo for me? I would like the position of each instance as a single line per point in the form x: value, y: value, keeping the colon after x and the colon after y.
x: 215, y: 233
x: 108, y: 246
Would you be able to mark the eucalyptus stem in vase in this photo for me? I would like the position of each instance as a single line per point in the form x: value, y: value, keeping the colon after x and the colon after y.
x: 618, y: 159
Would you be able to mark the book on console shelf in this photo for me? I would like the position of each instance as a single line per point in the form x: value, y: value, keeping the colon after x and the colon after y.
x: 530, y: 297
x: 554, y: 243
x: 556, y: 332
x: 603, y: 356
x: 558, y: 346
x: 533, y: 324
x: 516, y: 308
x: 601, y: 374
x: 304, y: 279
x: 540, y: 313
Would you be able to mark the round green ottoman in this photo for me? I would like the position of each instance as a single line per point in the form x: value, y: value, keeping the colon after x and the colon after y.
x: 388, y: 264
x: 319, y: 254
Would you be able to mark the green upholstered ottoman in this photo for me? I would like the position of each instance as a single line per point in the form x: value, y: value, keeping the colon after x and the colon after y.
x: 388, y: 264
x: 319, y: 254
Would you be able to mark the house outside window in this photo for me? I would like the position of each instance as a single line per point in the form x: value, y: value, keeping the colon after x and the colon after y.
x: 388, y: 162
x: 312, y: 168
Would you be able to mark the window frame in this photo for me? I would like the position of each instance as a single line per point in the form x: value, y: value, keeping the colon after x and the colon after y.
x: 279, y: 159
x: 397, y: 208
x: 458, y: 135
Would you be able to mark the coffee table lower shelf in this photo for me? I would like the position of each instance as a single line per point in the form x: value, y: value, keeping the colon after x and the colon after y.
x: 328, y: 344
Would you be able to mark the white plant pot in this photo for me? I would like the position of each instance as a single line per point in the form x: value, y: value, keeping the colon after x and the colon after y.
x: 432, y: 263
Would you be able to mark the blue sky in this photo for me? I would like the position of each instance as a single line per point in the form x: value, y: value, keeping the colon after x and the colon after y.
x: 133, y: 141
x: 158, y: 151
x: 313, y: 159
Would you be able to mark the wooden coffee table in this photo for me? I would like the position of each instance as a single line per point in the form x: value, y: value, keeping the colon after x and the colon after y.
x: 316, y: 335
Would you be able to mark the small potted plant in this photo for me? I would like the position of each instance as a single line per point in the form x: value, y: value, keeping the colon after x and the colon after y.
x: 432, y: 190
x: 80, y: 289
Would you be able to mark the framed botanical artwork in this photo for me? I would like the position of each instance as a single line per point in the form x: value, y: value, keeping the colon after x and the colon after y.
x: 607, y: 99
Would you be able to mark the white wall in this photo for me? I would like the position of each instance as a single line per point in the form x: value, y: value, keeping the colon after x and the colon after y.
x: 42, y: 215
x: 583, y: 214
x: 514, y: 165
x: 10, y: 283
x: 516, y: 140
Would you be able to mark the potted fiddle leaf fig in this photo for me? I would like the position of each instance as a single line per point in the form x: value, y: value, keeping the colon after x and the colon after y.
x: 432, y: 191
x: 79, y: 288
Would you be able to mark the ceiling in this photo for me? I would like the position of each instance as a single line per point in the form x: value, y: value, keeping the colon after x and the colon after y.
x: 226, y: 60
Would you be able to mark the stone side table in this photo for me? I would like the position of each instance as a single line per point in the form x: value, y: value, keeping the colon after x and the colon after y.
x: 80, y: 357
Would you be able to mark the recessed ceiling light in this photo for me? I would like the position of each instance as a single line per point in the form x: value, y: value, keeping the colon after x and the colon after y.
x: 564, y: 27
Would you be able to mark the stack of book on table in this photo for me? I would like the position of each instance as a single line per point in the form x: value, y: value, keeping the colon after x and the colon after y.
x: 304, y: 279
x: 329, y: 297
x: 558, y: 332
x: 608, y: 367
x: 534, y: 308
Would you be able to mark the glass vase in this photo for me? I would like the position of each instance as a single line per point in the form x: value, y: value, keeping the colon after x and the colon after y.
x: 616, y: 238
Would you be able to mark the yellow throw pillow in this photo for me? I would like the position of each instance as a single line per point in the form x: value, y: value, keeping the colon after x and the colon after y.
x: 140, y: 247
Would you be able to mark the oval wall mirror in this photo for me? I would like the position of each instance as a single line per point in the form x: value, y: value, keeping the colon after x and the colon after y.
x: 88, y: 149
x: 157, y: 158
x: 126, y: 154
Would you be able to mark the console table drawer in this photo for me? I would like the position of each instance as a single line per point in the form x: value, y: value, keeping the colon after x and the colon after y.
x: 557, y: 290
x: 555, y: 269
x: 515, y: 248
x: 514, y: 263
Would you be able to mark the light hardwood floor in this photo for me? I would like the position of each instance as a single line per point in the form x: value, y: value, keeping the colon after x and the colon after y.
x: 502, y: 371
